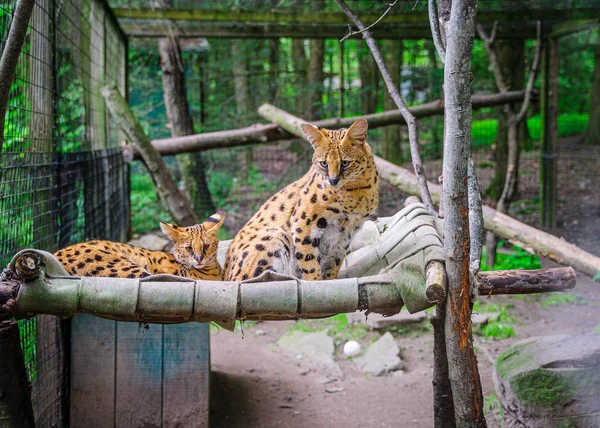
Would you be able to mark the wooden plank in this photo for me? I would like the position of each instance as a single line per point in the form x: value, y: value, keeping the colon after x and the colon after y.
x: 186, y: 375
x: 139, y: 375
x: 93, y: 346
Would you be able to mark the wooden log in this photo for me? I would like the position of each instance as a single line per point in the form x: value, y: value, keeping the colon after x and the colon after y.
x: 542, y: 243
x: 169, y: 299
x: 172, y: 198
x: 16, y: 410
x: 260, y: 134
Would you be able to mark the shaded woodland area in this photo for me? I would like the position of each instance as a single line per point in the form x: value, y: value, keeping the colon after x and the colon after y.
x: 119, y: 114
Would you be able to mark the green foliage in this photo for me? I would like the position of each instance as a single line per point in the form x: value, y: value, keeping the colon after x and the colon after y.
x: 491, y: 402
x: 339, y: 328
x: 557, y: 299
x: 502, y: 327
x: 146, y: 209
x: 596, y: 329
x: 519, y: 259
x: 498, y: 330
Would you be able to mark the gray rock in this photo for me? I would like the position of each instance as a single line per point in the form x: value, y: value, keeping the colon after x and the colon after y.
x: 150, y: 241
x: 551, y: 381
x: 316, y: 347
x: 484, y: 318
x: 379, y: 322
x: 381, y: 357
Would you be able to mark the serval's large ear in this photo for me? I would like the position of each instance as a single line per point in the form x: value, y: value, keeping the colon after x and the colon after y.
x: 173, y: 232
x: 314, y: 135
x: 357, y: 133
x: 215, y: 221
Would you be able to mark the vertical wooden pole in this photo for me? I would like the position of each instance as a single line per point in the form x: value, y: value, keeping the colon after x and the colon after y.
x: 15, y: 401
x: 341, y: 75
x: 462, y: 362
x: 549, y: 137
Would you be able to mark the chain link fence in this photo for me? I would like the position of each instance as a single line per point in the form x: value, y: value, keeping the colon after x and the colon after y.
x: 62, y: 175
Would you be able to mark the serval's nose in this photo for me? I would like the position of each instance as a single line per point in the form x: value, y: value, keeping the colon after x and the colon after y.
x: 198, y: 257
x: 334, y: 180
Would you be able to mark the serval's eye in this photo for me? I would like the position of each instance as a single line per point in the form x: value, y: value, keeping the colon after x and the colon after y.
x: 189, y: 249
x: 345, y: 164
x: 205, y: 248
x: 323, y: 164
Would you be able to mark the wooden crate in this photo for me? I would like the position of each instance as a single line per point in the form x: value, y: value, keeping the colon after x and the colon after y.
x: 123, y: 375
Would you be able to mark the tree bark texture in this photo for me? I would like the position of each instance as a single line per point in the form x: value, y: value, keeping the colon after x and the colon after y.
x: 242, y: 98
x: 181, y: 122
x: 462, y: 362
x: 16, y: 410
x: 315, y: 78
x: 172, y: 198
x: 392, y: 135
x: 11, y: 53
x: 258, y: 133
x: 593, y: 132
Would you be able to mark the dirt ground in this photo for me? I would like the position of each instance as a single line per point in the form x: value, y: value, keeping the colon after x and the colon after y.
x: 254, y: 384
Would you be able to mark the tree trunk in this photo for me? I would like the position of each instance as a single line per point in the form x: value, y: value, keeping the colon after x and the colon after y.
x: 511, y: 55
x: 392, y: 135
x: 315, y: 79
x: 462, y: 362
x: 593, y: 132
x: 368, y: 77
x: 172, y: 198
x: 300, y: 64
x: 180, y: 119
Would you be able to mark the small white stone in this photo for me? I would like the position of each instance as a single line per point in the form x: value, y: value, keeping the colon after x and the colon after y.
x: 352, y: 348
x: 260, y: 332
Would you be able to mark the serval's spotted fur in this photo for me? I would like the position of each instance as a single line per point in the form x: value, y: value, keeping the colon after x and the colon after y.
x: 306, y: 228
x: 194, y: 255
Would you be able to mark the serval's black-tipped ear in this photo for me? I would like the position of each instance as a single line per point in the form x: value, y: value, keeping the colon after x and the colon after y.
x: 215, y: 221
x: 173, y: 232
x: 357, y: 133
x: 313, y: 134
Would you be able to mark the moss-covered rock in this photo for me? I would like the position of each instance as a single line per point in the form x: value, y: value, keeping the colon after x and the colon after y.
x: 551, y: 381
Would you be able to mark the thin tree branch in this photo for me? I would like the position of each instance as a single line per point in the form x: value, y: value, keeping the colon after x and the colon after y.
x: 10, y: 55
x: 475, y: 219
x: 352, y: 33
x: 395, y: 94
x: 489, y: 47
x: 434, y: 23
x: 532, y: 75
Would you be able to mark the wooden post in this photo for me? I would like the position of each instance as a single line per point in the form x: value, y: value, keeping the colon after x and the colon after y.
x: 549, y: 138
x: 462, y: 362
x: 15, y: 400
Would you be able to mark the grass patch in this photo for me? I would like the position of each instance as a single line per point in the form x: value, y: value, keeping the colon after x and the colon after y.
x: 557, y: 299
x: 491, y: 403
x: 339, y: 328
x: 501, y: 328
x: 518, y: 259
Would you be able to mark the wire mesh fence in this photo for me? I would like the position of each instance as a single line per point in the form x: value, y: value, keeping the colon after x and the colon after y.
x: 62, y: 175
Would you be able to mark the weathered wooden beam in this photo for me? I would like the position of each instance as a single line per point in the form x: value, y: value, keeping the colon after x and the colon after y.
x: 309, y: 17
x: 139, y: 28
x: 30, y: 287
x: 565, y: 28
x: 259, y: 134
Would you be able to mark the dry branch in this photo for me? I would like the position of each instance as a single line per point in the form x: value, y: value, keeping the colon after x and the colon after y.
x: 10, y: 55
x: 43, y: 287
x: 172, y: 198
x: 259, y: 133
x: 411, y: 122
x: 542, y: 243
x: 434, y: 23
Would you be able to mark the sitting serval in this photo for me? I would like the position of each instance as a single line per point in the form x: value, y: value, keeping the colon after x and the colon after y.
x: 306, y: 228
x: 194, y: 255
